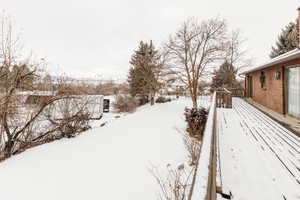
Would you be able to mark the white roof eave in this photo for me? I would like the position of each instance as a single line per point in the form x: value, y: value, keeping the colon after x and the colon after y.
x: 294, y: 54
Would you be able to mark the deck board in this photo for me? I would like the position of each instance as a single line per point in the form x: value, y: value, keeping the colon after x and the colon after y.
x: 259, y: 158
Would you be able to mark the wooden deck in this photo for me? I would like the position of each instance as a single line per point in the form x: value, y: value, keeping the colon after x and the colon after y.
x: 258, y: 157
x: 286, y: 120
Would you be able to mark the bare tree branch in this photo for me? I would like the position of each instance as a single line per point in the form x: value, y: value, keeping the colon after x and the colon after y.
x: 193, y: 48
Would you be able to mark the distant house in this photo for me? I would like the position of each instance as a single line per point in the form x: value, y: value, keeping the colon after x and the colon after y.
x: 276, y: 84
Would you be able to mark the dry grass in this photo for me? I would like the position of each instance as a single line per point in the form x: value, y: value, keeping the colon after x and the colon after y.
x: 178, y: 183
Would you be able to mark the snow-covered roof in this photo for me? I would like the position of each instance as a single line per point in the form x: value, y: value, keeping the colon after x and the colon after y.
x: 39, y: 93
x: 293, y: 54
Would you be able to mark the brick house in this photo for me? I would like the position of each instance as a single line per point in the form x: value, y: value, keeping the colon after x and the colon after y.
x: 276, y: 84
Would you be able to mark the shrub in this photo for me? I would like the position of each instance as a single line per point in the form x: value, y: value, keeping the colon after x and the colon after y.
x: 70, y: 127
x: 196, y: 120
x: 142, y: 99
x: 69, y: 116
x: 125, y: 103
x: 162, y: 99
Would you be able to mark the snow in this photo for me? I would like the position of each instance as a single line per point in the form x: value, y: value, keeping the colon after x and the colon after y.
x: 40, y: 93
x: 259, y: 158
x: 205, y: 155
x: 111, y: 162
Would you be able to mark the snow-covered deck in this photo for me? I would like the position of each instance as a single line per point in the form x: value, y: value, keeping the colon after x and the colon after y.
x: 259, y: 158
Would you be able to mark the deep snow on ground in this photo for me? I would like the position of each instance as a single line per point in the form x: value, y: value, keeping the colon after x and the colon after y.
x: 108, y: 163
x: 260, y: 159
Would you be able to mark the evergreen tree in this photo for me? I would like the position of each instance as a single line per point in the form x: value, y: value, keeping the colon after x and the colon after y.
x: 143, y: 76
x: 225, y: 76
x: 287, y: 40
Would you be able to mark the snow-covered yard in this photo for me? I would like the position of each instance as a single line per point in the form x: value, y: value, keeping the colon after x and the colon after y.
x: 260, y: 159
x: 111, y: 162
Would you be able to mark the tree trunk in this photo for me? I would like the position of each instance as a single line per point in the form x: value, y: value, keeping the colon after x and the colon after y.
x: 151, y: 99
x: 194, y: 100
x: 8, y: 148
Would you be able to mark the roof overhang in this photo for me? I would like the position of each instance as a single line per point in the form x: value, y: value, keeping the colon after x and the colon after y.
x: 291, y: 55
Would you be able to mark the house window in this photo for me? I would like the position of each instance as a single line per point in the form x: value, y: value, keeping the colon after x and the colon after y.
x: 277, y: 75
x: 293, y: 89
x: 262, y: 79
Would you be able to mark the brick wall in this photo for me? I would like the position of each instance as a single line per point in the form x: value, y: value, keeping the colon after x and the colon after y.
x: 272, y: 95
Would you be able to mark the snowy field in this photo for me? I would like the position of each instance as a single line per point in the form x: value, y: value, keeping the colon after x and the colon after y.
x: 111, y: 162
x: 260, y: 159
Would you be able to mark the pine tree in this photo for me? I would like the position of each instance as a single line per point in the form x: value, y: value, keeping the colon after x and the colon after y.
x: 225, y: 76
x: 143, y: 76
x: 287, y: 40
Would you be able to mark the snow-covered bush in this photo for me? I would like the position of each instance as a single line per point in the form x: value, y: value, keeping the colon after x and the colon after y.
x: 162, y: 99
x: 125, y: 103
x: 196, y: 120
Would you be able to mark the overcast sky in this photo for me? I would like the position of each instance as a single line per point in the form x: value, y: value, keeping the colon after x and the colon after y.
x: 85, y: 38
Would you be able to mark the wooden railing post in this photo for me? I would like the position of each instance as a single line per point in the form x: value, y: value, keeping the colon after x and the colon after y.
x: 237, y: 92
x: 224, y: 98
x: 229, y: 103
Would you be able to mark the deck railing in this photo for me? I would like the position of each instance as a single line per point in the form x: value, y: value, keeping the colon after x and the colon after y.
x: 224, y: 98
x: 205, y: 185
x: 237, y: 92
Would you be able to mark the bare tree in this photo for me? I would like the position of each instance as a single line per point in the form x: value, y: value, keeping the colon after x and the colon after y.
x: 194, y: 48
x: 23, y: 126
x: 11, y: 81
x: 234, y: 51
